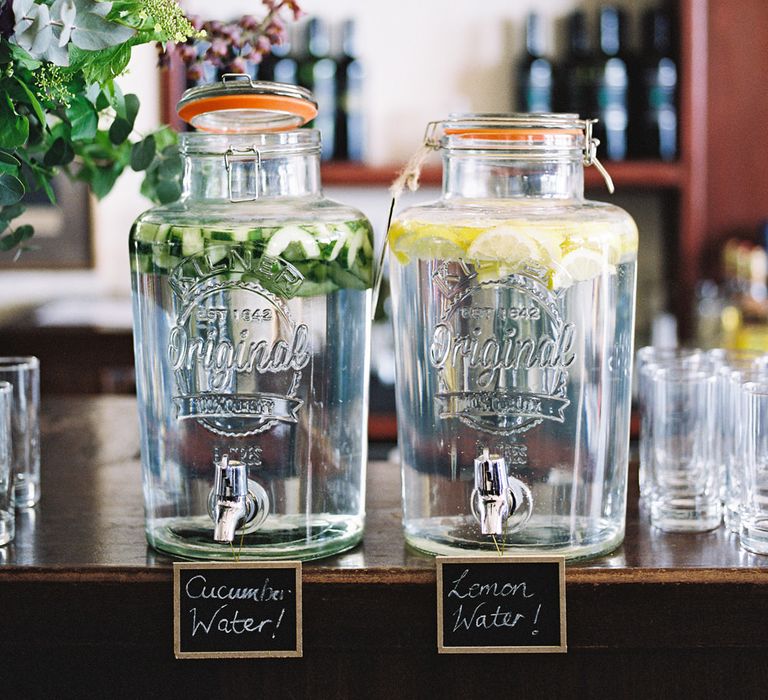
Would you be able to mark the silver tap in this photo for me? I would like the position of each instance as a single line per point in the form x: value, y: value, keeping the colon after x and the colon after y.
x: 493, y: 501
x: 231, y: 504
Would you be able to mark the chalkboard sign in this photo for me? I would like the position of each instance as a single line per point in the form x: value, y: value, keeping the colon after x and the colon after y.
x: 237, y: 610
x: 500, y: 605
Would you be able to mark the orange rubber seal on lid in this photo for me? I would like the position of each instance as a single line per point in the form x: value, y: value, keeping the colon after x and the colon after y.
x: 272, y: 103
x: 511, y: 134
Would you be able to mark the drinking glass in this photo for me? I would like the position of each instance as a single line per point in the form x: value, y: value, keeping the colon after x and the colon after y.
x: 753, y: 534
x: 7, y: 530
x: 23, y: 373
x: 684, y: 472
x: 648, y: 360
x: 733, y: 432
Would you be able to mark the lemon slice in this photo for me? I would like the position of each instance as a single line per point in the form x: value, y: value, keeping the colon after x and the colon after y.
x: 427, y: 241
x: 508, y: 245
x: 579, y: 265
x: 615, y: 240
x: 426, y: 248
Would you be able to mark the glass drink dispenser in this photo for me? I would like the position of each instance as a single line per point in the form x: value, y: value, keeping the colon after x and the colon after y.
x: 513, y: 306
x: 251, y: 300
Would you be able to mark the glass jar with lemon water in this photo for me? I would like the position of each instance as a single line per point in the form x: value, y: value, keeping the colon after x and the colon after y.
x: 513, y: 302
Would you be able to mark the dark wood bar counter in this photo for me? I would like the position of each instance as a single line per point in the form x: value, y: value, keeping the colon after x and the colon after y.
x: 86, y: 605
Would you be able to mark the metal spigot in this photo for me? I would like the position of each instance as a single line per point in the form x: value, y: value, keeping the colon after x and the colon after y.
x: 493, y: 501
x: 230, y: 503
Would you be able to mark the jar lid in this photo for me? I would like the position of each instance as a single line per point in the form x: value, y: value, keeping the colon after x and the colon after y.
x: 528, y: 128
x: 239, y: 105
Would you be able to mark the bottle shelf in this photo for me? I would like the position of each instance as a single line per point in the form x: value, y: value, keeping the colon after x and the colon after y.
x: 647, y: 174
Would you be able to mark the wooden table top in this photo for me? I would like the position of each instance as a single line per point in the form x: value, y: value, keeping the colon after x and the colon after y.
x: 91, y: 518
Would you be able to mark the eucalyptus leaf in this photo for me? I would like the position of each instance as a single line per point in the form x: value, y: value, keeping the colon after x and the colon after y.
x: 120, y: 130
x: 10, y: 169
x: 97, y: 7
x: 56, y: 54
x: 103, y: 180
x: 11, y: 189
x: 170, y: 167
x: 143, y: 152
x: 25, y: 232
x: 131, y: 108
x: 33, y: 31
x: 60, y: 153
x: 42, y: 175
x: 11, y: 240
x: 14, y: 128
x: 102, y: 101
x: 83, y: 118
x: 9, y: 213
x: 9, y: 159
x: 167, y: 140
x: 93, y: 90
x: 21, y: 10
x: 65, y: 12
x: 92, y: 32
x: 168, y: 191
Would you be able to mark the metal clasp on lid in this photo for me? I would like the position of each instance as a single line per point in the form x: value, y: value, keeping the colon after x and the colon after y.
x: 237, y: 77
x: 590, y: 153
x: 241, y: 153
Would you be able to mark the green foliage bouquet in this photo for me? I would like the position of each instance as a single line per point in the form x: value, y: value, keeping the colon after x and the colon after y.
x: 61, y: 109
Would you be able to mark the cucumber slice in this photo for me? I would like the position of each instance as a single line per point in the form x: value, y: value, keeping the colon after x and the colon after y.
x: 314, y: 289
x: 166, y: 261
x: 354, y: 244
x: 216, y: 251
x: 337, y: 247
x: 363, y: 271
x: 162, y: 233
x: 344, y: 278
x: 292, y: 234
x: 367, y: 240
x: 191, y: 241
x: 146, y: 232
x: 321, y: 233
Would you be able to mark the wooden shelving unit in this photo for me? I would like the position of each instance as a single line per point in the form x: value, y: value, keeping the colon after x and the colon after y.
x: 630, y: 174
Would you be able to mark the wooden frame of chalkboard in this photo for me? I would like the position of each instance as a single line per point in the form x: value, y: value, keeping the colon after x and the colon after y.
x: 546, y: 570
x: 266, y: 595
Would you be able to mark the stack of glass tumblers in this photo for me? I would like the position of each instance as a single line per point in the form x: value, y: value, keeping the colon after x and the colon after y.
x: 704, y: 440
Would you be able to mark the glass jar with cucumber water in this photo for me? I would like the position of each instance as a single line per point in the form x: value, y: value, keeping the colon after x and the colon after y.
x: 251, y: 299
x: 513, y: 306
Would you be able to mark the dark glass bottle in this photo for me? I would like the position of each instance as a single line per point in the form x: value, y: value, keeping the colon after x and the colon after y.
x: 655, y: 111
x: 350, y: 122
x: 576, y: 75
x: 611, y: 86
x: 317, y: 73
x: 280, y: 66
x: 534, y: 71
